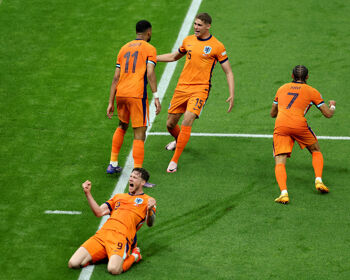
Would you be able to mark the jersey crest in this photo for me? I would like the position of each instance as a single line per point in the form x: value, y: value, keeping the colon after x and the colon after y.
x: 138, y: 200
x: 207, y: 49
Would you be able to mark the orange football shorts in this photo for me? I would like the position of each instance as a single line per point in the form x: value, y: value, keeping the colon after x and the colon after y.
x: 106, y: 243
x: 135, y: 109
x: 284, y: 138
x: 183, y: 101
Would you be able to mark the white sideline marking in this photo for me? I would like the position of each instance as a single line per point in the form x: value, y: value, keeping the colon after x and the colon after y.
x: 246, y: 135
x: 63, y: 212
x: 162, y: 87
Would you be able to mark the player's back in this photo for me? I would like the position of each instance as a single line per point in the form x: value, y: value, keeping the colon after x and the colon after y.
x: 294, y: 100
x: 132, y: 61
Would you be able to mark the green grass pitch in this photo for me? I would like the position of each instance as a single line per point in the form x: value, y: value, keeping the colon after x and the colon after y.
x: 216, y: 216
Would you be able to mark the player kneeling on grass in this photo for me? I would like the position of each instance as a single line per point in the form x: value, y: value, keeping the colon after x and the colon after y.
x: 116, y: 240
x: 292, y: 101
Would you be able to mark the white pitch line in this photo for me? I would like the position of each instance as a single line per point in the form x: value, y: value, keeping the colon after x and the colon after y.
x: 63, y: 212
x: 162, y: 87
x: 246, y: 135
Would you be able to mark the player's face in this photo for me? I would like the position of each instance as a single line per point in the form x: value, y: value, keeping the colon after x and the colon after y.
x: 201, y: 29
x: 135, y: 183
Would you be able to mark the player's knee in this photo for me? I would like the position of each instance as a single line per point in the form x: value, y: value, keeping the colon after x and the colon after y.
x: 115, y: 270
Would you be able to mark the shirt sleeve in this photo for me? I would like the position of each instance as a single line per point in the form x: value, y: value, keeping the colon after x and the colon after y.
x: 221, y: 54
x: 152, y: 56
x: 317, y: 98
x: 111, y: 202
x: 118, y: 60
x: 182, y: 48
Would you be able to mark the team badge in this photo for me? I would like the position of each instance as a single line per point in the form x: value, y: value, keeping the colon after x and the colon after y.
x: 207, y: 49
x: 138, y: 200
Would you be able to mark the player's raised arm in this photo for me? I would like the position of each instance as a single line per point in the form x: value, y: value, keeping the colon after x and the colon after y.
x: 328, y: 111
x: 151, y: 77
x: 170, y: 57
x: 99, y: 211
x: 110, y: 108
x: 231, y: 84
x: 151, y: 216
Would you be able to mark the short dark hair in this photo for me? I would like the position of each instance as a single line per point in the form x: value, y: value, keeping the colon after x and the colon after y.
x: 300, y: 72
x: 142, y: 26
x: 205, y: 17
x: 143, y: 173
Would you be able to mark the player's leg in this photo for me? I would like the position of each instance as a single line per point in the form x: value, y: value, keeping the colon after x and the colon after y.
x: 317, y: 163
x: 182, y: 139
x: 138, y: 147
x: 117, y: 143
x: 80, y: 258
x: 115, y: 264
x: 281, y: 177
x: 173, y: 128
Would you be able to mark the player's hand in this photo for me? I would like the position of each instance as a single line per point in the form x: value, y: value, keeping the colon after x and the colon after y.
x: 110, y: 110
x: 331, y: 102
x: 151, y: 203
x: 231, y: 103
x: 86, y: 186
x: 158, y: 106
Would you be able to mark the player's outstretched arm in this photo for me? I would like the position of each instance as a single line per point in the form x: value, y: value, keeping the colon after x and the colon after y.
x: 328, y: 111
x: 99, y: 211
x: 110, y: 108
x: 274, y: 110
x: 170, y: 57
x: 151, y: 216
x: 231, y: 84
x: 152, y: 79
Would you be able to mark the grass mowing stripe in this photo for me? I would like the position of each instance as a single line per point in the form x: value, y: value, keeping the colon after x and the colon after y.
x: 246, y: 135
x: 162, y: 87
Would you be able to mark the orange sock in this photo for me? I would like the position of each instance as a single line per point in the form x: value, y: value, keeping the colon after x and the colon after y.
x: 117, y: 143
x: 128, y: 262
x: 174, y: 131
x: 317, y: 163
x: 181, y: 143
x: 138, y: 152
x: 281, y: 176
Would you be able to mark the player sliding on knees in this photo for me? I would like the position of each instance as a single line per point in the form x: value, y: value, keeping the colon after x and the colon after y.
x: 116, y: 240
x: 290, y: 105
x: 202, y: 51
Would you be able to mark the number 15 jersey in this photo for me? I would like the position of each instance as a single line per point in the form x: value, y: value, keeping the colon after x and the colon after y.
x: 294, y: 100
x: 132, y: 60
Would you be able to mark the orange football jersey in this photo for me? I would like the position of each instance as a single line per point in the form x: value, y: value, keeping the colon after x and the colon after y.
x: 294, y: 100
x: 128, y: 213
x: 201, y: 58
x: 132, y: 61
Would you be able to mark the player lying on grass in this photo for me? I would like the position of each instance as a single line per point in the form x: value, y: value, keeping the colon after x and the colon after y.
x: 291, y: 103
x: 116, y: 240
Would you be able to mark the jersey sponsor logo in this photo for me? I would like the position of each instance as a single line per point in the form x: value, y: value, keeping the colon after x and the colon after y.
x: 138, y: 200
x: 207, y: 49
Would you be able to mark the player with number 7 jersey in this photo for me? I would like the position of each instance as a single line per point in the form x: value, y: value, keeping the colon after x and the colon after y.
x: 134, y: 69
x: 291, y: 103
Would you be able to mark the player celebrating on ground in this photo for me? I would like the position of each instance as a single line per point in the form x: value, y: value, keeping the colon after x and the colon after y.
x: 135, y: 64
x: 203, y: 51
x: 291, y: 103
x: 117, y: 237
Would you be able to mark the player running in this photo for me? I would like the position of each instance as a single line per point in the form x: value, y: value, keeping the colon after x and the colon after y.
x: 116, y: 240
x: 291, y: 103
x: 202, y: 51
x: 135, y: 65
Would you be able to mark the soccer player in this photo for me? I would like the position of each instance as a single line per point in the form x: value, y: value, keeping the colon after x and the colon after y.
x: 202, y: 52
x: 291, y: 103
x: 135, y: 65
x: 116, y: 240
